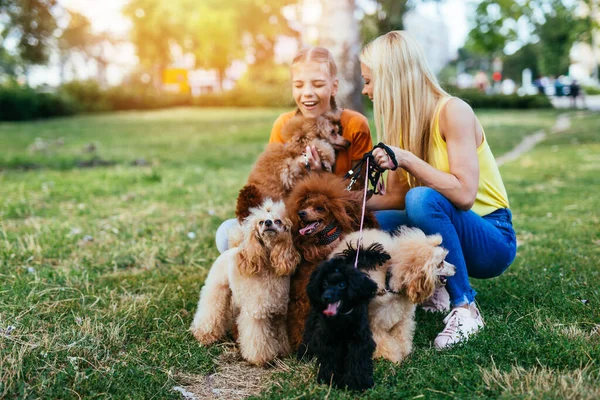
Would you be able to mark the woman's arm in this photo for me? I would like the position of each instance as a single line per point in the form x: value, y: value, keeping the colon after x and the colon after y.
x: 395, y: 191
x: 458, y: 127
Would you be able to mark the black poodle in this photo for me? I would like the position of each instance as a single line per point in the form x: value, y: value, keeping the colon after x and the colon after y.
x: 337, y: 330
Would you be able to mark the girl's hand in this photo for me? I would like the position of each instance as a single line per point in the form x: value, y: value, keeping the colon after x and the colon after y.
x: 312, y: 160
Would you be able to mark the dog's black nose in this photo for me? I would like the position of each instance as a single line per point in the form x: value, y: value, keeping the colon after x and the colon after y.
x: 302, y: 214
x: 327, y: 297
x: 268, y: 223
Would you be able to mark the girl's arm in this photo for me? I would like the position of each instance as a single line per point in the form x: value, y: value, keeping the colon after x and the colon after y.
x: 396, y: 187
x: 458, y: 127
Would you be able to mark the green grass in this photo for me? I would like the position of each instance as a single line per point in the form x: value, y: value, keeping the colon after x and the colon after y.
x: 108, y: 317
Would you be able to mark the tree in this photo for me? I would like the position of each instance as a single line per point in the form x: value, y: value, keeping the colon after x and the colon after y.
x: 74, y: 38
x: 552, y: 26
x: 495, y: 26
x: 388, y: 16
x: 339, y: 33
x: 556, y: 37
x: 155, y: 27
x: 526, y: 57
x: 32, y: 23
x: 213, y: 37
x: 215, y: 32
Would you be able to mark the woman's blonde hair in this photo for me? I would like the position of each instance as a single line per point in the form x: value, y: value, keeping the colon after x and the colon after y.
x: 320, y: 55
x: 405, y: 93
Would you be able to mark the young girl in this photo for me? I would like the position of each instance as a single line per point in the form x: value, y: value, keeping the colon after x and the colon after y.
x: 314, y: 86
x: 447, y: 181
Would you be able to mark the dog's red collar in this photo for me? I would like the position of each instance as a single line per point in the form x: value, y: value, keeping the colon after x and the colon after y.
x: 329, y: 234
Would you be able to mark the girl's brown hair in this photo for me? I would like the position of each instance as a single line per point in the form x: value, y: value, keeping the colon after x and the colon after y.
x: 320, y: 55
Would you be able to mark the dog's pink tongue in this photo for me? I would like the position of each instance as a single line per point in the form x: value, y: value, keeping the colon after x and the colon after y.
x: 308, y: 228
x: 331, y: 309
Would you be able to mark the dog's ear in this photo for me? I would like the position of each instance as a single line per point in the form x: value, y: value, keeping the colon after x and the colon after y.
x: 249, y: 197
x: 346, y: 212
x: 252, y: 257
x: 361, y: 288
x: 284, y: 256
x: 419, y: 283
x: 369, y: 258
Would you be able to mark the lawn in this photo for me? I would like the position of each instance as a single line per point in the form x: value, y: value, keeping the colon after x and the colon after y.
x: 100, y: 268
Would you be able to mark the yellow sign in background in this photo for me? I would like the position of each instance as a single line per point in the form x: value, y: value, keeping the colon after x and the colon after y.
x: 176, y: 80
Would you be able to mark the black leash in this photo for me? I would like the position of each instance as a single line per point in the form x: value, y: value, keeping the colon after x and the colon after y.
x: 374, y: 171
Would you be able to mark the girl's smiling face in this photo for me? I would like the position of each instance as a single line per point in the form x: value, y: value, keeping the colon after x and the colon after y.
x: 366, y: 75
x: 312, y: 88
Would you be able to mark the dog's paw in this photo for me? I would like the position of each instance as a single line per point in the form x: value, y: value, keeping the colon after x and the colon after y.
x: 205, y: 338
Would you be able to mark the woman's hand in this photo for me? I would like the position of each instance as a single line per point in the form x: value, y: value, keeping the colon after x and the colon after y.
x: 312, y: 160
x: 384, y: 161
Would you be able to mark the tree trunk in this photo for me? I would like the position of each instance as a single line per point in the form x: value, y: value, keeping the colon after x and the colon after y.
x: 157, y: 76
x: 62, y: 66
x: 339, y: 33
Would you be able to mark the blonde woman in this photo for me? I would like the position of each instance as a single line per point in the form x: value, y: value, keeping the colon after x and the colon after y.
x: 447, y: 181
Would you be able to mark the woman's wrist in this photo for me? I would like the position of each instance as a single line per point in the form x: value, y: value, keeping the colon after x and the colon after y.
x: 402, y: 157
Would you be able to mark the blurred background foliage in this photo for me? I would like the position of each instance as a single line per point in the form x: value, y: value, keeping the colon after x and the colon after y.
x: 213, y: 34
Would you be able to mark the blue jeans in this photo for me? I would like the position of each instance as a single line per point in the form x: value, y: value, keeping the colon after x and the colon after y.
x: 480, y: 247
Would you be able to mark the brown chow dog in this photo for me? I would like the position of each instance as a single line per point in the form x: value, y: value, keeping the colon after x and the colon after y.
x: 281, y: 165
x: 322, y: 211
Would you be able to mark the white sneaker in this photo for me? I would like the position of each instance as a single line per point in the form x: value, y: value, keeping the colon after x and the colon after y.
x: 461, y: 323
x: 438, y: 302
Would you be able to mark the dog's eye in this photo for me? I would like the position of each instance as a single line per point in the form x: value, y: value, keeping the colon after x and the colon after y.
x: 261, y: 223
x: 333, y: 131
x: 441, y: 265
x: 319, y: 208
x: 278, y: 221
x: 325, y: 284
x: 342, y: 285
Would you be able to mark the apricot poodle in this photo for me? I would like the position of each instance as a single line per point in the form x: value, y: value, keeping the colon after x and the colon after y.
x: 250, y: 284
x: 416, y: 265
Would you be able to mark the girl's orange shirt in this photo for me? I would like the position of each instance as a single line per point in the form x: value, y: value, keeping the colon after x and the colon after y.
x: 355, y: 128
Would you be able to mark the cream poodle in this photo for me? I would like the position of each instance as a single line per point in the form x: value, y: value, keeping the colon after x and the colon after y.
x: 415, y: 267
x: 250, y: 285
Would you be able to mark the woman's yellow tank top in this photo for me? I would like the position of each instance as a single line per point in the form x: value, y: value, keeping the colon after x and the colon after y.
x: 491, y: 194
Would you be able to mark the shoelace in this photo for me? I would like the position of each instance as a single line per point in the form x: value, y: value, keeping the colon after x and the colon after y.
x: 452, y: 323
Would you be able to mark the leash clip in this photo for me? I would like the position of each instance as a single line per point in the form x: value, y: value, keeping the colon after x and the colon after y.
x: 352, y: 182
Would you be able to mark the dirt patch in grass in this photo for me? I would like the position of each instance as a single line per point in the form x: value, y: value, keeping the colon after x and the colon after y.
x: 234, y: 379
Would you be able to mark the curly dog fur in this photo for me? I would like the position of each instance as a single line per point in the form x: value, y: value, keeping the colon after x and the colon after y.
x: 318, y: 206
x: 337, y: 329
x: 415, y: 267
x: 281, y: 165
x: 250, y: 284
